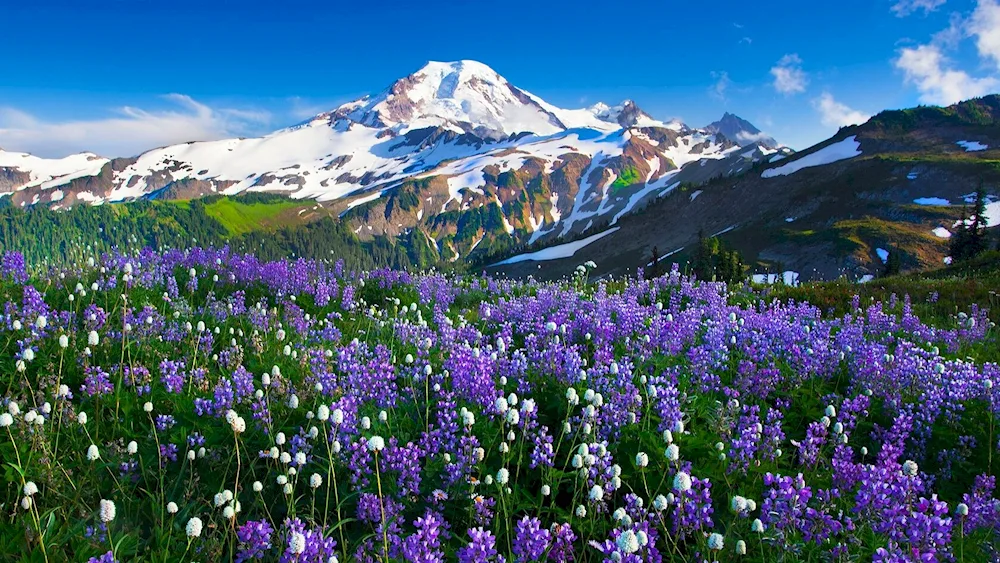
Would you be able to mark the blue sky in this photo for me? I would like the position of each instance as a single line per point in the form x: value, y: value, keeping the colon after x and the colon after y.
x: 121, y: 76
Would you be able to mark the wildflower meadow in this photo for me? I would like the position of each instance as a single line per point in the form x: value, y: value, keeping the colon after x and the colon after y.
x: 203, y: 405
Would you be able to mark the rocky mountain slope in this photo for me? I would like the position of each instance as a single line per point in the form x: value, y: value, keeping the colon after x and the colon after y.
x: 453, y: 154
x: 899, y: 182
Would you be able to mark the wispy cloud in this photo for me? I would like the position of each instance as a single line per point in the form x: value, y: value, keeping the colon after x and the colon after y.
x: 746, y: 40
x: 789, y: 78
x: 128, y: 130
x: 302, y: 109
x: 903, y: 8
x: 835, y: 114
x: 936, y: 76
x: 721, y: 85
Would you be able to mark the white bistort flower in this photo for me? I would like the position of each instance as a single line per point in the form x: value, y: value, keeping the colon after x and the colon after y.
x: 193, y: 528
x: 641, y: 459
x: 376, y: 443
x: 107, y: 511
x: 297, y: 543
x: 716, y: 542
x: 910, y: 468
x: 628, y: 542
x: 172, y: 508
x: 596, y: 493
x: 682, y: 482
x: 93, y: 454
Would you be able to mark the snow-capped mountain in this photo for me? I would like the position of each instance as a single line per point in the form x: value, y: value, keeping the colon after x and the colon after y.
x: 446, y: 143
x: 741, y: 131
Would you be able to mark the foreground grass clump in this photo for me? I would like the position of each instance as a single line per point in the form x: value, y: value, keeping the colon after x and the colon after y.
x: 201, y: 405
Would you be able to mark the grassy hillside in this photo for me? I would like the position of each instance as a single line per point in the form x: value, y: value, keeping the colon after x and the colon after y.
x: 238, y: 217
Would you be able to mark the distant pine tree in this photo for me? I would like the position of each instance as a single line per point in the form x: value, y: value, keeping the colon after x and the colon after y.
x: 894, y: 263
x: 703, y: 266
x: 970, y: 239
x: 654, y: 270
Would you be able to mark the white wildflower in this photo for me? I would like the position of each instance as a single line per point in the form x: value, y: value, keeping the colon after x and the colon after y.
x: 628, y: 542
x: 596, y: 493
x: 716, y: 542
x: 682, y: 482
x: 297, y: 544
x: 107, y: 510
x: 193, y: 527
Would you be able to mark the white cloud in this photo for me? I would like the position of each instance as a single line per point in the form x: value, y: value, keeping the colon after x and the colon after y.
x: 129, y: 131
x: 835, y: 114
x: 789, y: 77
x: 984, y: 25
x: 903, y: 8
x: 722, y: 84
x: 936, y: 76
x: 743, y: 137
x: 926, y: 67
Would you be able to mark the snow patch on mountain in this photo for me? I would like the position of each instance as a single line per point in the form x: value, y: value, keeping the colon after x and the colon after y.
x: 972, y: 146
x: 51, y: 172
x: 559, y: 251
x: 842, y: 150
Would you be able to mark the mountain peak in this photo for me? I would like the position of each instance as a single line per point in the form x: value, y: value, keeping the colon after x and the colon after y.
x: 466, y: 96
x: 740, y: 131
x: 626, y: 114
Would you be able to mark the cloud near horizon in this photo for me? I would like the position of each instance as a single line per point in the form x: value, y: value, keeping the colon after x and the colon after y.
x: 835, y: 114
x: 129, y: 131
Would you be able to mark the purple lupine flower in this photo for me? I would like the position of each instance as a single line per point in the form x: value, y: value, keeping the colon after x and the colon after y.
x: 481, y: 548
x: 530, y: 540
x: 255, y: 540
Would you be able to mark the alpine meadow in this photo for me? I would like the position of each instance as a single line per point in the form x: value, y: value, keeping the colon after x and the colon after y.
x: 249, y: 313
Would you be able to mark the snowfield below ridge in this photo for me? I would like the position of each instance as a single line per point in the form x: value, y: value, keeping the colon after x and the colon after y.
x: 848, y: 148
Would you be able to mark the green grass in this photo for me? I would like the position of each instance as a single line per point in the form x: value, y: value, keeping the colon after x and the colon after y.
x: 629, y: 176
x: 239, y: 218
